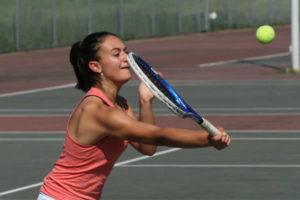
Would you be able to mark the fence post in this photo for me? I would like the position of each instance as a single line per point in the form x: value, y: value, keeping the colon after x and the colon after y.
x: 295, y: 34
x: 54, y: 28
x: 206, y: 16
x: 90, y: 22
x: 251, y: 13
x: 271, y: 5
x: 198, y: 16
x: 229, y: 13
x: 122, y: 19
x: 17, y: 25
x: 153, y: 18
x: 179, y: 3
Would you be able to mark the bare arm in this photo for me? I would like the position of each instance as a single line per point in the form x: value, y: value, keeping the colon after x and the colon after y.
x: 145, y: 102
x: 119, y: 124
x: 145, y: 115
x: 94, y: 120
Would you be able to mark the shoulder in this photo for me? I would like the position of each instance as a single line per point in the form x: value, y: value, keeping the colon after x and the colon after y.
x: 91, y: 103
x: 84, y: 126
x: 93, y: 107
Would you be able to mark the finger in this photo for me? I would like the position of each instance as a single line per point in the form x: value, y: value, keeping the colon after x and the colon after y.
x: 226, y: 138
x: 221, y: 129
x: 229, y: 141
x: 161, y: 74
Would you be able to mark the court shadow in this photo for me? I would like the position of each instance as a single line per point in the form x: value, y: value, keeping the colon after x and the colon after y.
x: 260, y: 64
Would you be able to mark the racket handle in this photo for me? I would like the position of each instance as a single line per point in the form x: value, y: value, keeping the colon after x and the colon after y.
x: 211, y: 129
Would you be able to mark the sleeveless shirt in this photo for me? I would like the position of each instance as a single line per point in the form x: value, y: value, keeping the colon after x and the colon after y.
x: 81, y: 170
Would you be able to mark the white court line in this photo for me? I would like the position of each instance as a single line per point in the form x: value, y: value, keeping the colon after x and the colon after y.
x: 34, y: 109
x: 171, y: 166
x: 64, y: 132
x: 165, y: 112
x: 32, y: 132
x: 236, y: 109
x: 162, y: 114
x: 31, y: 139
x: 146, y: 157
x: 35, y: 115
x: 119, y: 164
x: 251, y: 109
x: 173, y: 83
x: 37, y: 90
x: 240, y: 83
x: 244, y: 59
x: 161, y: 111
x: 125, y: 164
x: 21, y: 189
x: 232, y: 138
x: 262, y: 131
x: 213, y: 166
x: 267, y: 139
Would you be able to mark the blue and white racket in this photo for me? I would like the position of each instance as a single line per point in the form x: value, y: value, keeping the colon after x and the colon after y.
x: 166, y: 94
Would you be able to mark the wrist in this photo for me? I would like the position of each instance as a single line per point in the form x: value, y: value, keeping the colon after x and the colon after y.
x: 210, y: 141
x: 145, y: 101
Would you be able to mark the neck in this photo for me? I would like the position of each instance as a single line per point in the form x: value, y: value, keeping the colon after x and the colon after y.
x: 110, y: 91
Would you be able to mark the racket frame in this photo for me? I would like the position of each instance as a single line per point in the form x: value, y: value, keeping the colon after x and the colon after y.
x: 182, y: 109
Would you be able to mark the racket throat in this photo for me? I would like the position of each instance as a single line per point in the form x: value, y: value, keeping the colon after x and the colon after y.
x: 198, y: 120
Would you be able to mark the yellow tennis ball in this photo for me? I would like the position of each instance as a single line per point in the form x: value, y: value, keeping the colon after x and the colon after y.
x: 265, y: 34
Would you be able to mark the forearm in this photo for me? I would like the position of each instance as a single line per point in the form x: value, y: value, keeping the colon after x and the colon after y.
x: 183, y: 138
x: 173, y: 137
x: 146, y: 113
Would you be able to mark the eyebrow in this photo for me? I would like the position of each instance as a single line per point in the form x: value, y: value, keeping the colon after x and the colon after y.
x: 119, y: 49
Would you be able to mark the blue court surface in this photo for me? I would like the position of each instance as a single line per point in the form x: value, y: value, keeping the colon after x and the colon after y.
x: 263, y: 161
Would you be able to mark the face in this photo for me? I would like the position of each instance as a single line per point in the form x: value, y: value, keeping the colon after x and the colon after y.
x: 113, y: 61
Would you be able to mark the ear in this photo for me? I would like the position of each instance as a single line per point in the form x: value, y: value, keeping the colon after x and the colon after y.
x: 95, y: 66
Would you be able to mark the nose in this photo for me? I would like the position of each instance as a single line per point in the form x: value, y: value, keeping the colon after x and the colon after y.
x: 124, y: 56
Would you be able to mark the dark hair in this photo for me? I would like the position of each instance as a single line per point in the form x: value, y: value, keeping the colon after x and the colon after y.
x: 81, y: 54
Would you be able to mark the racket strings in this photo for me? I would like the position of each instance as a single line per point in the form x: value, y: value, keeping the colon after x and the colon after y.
x: 165, y: 93
x: 155, y: 79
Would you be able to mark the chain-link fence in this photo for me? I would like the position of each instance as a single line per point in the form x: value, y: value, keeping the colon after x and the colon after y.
x: 33, y: 24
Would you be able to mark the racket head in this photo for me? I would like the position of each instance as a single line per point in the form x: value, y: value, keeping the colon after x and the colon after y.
x: 160, y: 88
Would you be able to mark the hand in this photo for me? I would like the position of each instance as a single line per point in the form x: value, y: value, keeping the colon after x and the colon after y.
x: 144, y: 93
x: 220, y: 141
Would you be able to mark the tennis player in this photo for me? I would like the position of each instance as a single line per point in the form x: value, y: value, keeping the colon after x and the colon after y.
x: 103, y: 123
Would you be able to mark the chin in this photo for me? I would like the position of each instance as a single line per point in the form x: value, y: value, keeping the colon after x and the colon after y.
x: 125, y: 79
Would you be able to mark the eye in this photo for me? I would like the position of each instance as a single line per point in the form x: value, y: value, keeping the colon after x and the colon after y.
x: 116, y: 53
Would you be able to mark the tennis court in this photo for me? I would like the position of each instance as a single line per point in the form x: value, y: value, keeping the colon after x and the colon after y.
x: 226, y: 76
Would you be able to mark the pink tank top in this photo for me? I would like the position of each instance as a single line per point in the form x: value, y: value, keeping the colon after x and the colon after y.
x: 81, y: 170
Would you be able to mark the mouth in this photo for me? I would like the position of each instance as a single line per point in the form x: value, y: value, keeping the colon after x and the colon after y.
x: 127, y: 67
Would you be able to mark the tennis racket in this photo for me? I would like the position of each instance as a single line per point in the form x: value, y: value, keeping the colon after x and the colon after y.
x: 165, y: 93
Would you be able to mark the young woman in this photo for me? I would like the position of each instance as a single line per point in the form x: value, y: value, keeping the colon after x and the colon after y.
x: 103, y: 123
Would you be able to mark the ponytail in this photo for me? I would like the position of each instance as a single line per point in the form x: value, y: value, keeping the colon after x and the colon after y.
x: 83, y: 73
x: 81, y: 54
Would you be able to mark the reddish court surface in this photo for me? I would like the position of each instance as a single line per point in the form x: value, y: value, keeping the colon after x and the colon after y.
x: 178, y: 57
x: 188, y: 51
x: 231, y: 122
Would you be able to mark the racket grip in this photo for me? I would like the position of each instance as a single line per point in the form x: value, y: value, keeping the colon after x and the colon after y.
x: 211, y: 129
